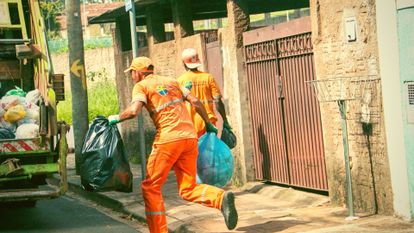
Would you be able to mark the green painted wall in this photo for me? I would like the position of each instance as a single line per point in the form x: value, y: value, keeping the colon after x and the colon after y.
x: 406, y: 47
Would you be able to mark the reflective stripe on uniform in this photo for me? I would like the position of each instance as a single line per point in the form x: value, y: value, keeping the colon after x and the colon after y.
x: 155, y: 213
x: 161, y: 107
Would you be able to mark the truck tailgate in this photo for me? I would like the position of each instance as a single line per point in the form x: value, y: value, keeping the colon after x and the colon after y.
x: 15, y: 146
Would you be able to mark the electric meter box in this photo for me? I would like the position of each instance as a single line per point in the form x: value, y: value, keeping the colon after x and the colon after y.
x: 410, y: 101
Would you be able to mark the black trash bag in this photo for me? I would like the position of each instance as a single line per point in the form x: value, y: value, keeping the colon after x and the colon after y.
x: 228, y: 137
x: 6, y: 134
x: 104, y: 164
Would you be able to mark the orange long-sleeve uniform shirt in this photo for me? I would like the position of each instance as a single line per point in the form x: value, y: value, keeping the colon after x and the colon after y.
x: 203, y: 86
x: 175, y: 147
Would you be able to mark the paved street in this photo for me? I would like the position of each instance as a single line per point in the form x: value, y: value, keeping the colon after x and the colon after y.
x: 61, y: 215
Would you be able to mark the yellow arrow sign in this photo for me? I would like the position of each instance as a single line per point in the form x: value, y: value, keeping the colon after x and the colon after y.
x: 79, y: 71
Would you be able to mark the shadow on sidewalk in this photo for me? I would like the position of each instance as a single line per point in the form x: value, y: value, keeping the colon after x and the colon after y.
x: 271, y: 226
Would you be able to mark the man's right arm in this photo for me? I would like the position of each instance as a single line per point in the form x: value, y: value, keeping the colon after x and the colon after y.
x: 138, y: 101
x: 132, y: 111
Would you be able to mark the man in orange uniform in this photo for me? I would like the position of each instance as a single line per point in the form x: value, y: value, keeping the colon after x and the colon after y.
x: 203, y: 86
x: 175, y: 145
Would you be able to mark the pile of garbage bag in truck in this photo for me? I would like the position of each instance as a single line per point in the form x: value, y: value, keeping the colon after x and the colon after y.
x: 19, y: 114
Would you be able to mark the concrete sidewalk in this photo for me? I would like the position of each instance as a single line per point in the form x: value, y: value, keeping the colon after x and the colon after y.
x: 261, y: 208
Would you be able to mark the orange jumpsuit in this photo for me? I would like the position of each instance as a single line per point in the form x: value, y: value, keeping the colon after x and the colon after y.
x: 203, y: 86
x: 175, y: 146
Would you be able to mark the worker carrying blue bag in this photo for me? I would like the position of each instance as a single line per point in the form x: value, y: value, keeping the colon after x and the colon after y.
x: 104, y: 164
x: 215, y: 163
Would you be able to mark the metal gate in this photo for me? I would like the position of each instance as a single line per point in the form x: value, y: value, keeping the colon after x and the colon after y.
x: 287, y: 131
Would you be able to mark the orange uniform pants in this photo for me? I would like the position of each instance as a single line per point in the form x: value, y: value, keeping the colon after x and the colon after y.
x: 182, y: 156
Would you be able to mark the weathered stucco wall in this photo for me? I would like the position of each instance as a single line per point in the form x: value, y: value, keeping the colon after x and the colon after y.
x: 129, y: 129
x: 235, y: 92
x: 96, y: 60
x: 167, y: 55
x: 335, y: 57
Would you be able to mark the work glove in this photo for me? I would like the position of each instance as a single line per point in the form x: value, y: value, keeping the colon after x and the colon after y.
x: 113, y: 119
x: 227, y: 125
x: 210, y: 128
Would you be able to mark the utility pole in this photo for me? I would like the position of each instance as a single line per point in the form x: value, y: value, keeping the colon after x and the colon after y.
x: 77, y: 76
x: 130, y: 6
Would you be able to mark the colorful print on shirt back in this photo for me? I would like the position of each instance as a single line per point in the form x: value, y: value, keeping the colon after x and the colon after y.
x: 162, y: 90
x: 188, y: 85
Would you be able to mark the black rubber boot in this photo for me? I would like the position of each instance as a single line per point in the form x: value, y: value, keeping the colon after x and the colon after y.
x: 228, y: 209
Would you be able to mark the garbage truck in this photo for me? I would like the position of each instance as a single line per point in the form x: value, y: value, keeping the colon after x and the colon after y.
x: 33, y: 144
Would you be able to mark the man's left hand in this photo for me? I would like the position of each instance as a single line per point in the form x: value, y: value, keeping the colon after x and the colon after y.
x: 210, y: 128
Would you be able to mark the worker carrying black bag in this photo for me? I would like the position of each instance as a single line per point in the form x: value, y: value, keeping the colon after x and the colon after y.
x: 104, y: 164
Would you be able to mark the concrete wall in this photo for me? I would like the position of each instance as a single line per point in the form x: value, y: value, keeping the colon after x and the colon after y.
x: 235, y: 98
x: 167, y: 55
x: 235, y: 90
x: 336, y: 57
x: 96, y: 60
x: 124, y: 84
x: 167, y: 61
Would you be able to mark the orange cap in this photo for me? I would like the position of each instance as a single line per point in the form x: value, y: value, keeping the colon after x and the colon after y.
x: 140, y: 64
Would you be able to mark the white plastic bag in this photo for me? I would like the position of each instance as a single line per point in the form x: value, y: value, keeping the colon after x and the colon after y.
x: 27, y: 131
x: 33, y: 96
x: 9, y: 101
x: 33, y: 112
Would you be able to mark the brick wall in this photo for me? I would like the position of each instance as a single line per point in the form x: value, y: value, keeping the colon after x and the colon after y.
x: 166, y: 57
x: 335, y: 57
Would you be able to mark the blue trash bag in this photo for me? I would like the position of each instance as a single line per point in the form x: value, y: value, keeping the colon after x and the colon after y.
x: 215, y: 164
x: 103, y: 162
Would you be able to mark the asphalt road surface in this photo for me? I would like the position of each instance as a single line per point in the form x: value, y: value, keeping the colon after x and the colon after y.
x: 63, y: 215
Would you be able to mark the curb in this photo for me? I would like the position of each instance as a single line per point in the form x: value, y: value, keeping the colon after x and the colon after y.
x: 99, y: 199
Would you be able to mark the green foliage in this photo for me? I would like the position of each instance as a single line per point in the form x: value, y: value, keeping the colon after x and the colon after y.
x: 50, y: 9
x: 100, y: 42
x: 102, y: 100
x: 96, y: 77
x: 61, y: 45
x: 58, y: 46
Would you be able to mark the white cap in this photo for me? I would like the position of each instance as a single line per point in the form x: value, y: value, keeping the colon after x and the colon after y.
x: 190, y: 58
